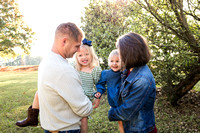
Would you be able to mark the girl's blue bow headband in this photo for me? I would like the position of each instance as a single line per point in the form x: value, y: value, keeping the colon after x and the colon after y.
x: 87, y: 42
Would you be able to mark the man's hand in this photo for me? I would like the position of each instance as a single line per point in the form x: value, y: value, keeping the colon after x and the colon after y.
x: 96, y: 103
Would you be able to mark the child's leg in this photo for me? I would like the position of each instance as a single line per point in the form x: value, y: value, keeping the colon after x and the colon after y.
x: 35, y: 102
x: 33, y: 111
x: 84, y: 125
x: 121, y: 128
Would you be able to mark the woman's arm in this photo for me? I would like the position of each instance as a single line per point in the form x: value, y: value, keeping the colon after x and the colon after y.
x: 134, y: 98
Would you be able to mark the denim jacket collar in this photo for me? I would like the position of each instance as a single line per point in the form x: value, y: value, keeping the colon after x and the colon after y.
x: 132, y: 75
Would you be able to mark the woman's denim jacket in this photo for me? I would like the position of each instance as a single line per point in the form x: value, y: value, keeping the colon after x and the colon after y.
x: 136, y: 101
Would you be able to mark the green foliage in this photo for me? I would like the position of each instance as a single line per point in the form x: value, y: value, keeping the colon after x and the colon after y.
x: 173, y: 40
x: 13, y: 33
x: 171, y: 28
x: 103, y: 23
x: 197, y: 86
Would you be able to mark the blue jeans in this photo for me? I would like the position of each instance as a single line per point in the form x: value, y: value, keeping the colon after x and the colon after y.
x: 69, y: 131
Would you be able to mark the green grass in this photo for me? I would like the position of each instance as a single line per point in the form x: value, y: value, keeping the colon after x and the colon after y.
x: 17, y: 90
x: 16, y: 95
x: 197, y: 86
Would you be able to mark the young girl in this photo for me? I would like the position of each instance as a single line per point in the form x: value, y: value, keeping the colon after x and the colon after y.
x: 111, y: 78
x: 87, y: 65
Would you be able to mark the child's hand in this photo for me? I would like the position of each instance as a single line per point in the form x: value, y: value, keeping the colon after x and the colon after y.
x: 96, y: 103
x: 98, y: 95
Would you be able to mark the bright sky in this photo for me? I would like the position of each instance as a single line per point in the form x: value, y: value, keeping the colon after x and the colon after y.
x: 43, y: 16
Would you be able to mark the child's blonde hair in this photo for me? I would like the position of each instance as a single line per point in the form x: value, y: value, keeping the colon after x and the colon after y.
x: 113, y: 53
x: 94, y: 61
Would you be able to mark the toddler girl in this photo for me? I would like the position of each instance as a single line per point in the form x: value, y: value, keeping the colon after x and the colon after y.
x: 111, y: 78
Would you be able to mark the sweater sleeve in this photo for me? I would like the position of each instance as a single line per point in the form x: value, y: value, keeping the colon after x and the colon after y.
x: 69, y: 87
x: 72, y: 63
x: 102, y: 82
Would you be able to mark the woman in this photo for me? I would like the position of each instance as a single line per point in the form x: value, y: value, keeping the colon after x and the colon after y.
x: 138, y: 89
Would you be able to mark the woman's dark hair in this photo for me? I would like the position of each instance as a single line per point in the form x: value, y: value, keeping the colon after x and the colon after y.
x: 134, y: 50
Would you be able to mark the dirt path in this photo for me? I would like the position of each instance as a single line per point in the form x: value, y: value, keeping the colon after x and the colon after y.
x: 18, y: 68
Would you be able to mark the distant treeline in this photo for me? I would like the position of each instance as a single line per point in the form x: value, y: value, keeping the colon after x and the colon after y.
x: 23, y: 60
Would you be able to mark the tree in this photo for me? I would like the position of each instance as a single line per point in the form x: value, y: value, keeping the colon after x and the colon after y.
x: 13, y: 33
x: 103, y: 23
x: 176, y: 41
x: 171, y: 28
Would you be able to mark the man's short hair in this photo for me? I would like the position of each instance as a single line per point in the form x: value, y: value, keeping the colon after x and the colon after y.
x: 70, y: 29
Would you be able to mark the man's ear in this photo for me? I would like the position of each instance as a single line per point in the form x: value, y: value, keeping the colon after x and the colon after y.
x: 64, y: 41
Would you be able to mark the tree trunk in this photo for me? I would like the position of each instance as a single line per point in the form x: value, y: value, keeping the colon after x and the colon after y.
x: 186, y: 85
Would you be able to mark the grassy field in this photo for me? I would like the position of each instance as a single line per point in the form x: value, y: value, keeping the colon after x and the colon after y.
x: 17, y: 90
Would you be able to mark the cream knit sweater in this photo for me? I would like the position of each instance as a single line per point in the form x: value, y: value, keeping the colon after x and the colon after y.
x: 61, y: 98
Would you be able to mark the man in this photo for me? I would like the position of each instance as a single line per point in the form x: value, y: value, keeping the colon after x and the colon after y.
x: 61, y: 98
